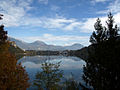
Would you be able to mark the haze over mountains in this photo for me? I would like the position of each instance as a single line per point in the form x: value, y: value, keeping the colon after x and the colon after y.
x: 39, y: 45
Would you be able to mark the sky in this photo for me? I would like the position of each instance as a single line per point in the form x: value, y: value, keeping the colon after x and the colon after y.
x: 57, y: 22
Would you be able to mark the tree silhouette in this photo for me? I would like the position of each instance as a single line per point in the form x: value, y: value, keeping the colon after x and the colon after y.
x: 102, y: 68
x: 104, y: 33
x: 3, y: 34
x: 101, y: 71
x: 1, y: 16
x: 112, y: 32
x: 100, y: 34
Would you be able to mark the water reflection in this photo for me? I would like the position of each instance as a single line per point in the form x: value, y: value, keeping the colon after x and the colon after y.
x: 41, y: 59
x: 49, y: 77
x: 95, y: 74
x: 54, y: 71
x: 72, y: 73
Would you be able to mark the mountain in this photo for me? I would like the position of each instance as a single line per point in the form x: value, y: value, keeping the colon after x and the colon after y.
x: 74, y: 47
x: 39, y: 45
x: 14, y: 49
x: 20, y: 43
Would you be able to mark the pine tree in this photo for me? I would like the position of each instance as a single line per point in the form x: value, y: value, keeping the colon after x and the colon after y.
x: 3, y: 34
x: 99, y: 35
x: 104, y: 33
x: 1, y: 16
x: 112, y: 32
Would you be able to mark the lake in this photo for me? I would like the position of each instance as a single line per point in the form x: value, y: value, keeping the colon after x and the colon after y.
x: 70, y: 68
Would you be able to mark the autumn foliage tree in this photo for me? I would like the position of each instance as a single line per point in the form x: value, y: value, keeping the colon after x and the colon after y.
x: 12, y: 75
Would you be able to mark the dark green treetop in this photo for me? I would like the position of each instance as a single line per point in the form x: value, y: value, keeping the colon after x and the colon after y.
x: 1, y: 16
x: 104, y: 33
x: 98, y: 35
x: 3, y: 34
x: 112, y: 31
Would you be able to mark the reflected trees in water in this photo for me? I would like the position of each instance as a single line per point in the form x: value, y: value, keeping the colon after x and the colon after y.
x: 49, y: 77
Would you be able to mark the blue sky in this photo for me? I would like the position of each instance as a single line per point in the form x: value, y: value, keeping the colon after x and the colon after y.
x: 58, y: 22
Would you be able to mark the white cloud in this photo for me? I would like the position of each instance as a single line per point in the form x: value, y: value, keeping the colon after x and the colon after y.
x: 88, y: 25
x: 43, y: 1
x: 61, y: 23
x: 113, y: 7
x: 55, y: 8
x: 59, y: 40
x: 98, y: 1
x: 15, y: 14
x: 14, y: 11
x: 73, y: 26
x: 117, y: 19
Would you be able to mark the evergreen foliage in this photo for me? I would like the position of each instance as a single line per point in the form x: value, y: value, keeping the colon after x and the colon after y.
x: 102, y: 64
x: 104, y: 33
x: 3, y: 34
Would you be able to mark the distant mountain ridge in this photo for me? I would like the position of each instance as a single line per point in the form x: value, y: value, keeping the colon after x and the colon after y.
x: 39, y: 45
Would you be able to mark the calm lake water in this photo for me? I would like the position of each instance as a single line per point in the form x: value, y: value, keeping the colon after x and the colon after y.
x: 72, y: 67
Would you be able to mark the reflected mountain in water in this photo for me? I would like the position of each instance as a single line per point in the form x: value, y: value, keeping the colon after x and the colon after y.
x: 41, y: 59
x: 99, y: 72
x: 51, y: 78
x: 68, y: 65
